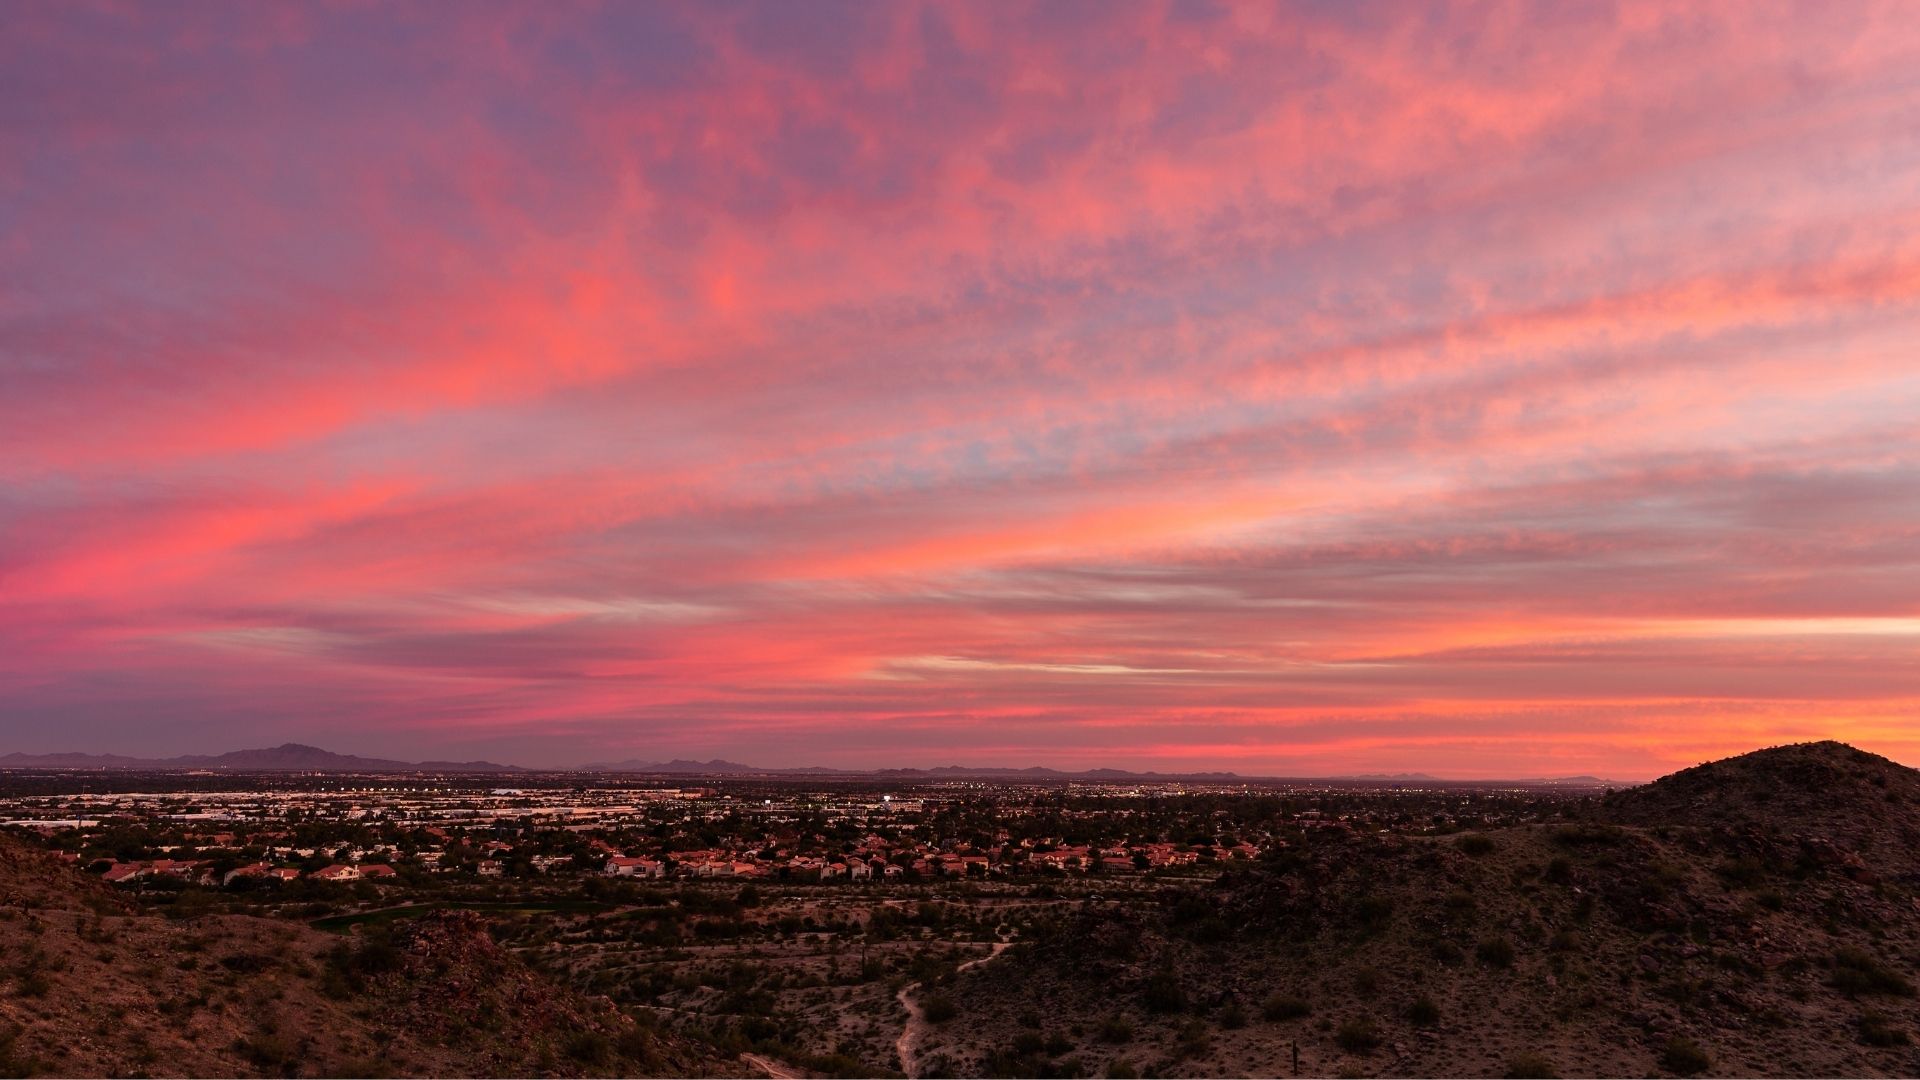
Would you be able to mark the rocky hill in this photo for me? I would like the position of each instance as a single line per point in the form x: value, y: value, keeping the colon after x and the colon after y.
x: 95, y: 988
x: 1824, y: 792
x: 1756, y: 916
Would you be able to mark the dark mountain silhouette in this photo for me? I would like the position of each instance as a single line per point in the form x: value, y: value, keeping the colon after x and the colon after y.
x: 298, y: 757
x: 1753, y: 916
x: 287, y: 757
x: 716, y: 767
x: 1820, y: 791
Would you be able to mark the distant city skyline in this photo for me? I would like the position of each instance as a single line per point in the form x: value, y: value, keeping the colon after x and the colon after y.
x: 1300, y: 389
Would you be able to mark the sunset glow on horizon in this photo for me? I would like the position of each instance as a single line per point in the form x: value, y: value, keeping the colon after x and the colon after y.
x: 1481, y: 390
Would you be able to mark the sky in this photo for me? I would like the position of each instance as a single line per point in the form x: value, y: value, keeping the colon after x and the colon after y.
x: 1479, y: 389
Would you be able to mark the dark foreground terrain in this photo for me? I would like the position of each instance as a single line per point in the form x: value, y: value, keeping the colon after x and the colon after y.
x: 94, y: 987
x: 1755, y: 916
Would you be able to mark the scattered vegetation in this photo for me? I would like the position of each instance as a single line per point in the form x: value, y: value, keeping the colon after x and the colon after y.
x: 1684, y: 1056
x: 1529, y: 1066
x: 1358, y: 1035
x: 1285, y: 1007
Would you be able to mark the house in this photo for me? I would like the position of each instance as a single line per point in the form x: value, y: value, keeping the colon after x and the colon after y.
x: 121, y: 873
x: 259, y: 870
x: 376, y: 870
x: 622, y: 866
x: 859, y: 870
x: 492, y: 868
x: 263, y: 871
x: 893, y: 872
x: 337, y: 872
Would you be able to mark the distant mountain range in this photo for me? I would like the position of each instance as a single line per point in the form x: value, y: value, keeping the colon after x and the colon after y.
x: 287, y: 757
x: 719, y: 767
x: 298, y: 757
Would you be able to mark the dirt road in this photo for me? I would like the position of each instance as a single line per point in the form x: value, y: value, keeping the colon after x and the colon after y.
x: 908, y: 1045
x: 772, y: 1068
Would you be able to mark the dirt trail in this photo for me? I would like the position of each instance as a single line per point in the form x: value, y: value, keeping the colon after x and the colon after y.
x: 772, y: 1068
x: 908, y: 1045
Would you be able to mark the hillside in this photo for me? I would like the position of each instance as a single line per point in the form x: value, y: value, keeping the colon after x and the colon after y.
x: 1822, y: 792
x: 95, y: 988
x: 1752, y: 917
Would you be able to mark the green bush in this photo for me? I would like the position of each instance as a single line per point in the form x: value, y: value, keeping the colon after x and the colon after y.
x: 939, y: 1009
x: 1423, y: 1012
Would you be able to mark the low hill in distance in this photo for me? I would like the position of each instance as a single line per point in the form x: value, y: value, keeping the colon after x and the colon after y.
x: 1756, y: 916
x: 287, y: 757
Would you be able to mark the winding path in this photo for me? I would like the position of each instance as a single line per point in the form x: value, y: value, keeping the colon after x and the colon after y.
x: 908, y: 1045
x: 773, y: 1069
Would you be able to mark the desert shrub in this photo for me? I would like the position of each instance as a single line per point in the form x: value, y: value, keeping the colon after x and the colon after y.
x: 1877, y: 1030
x: 1357, y: 1035
x: 1744, y: 872
x: 1233, y: 1017
x: 1285, y: 1007
x: 1529, y: 1067
x: 1459, y: 902
x: 1372, y: 913
x: 1029, y: 1044
x: 1684, y: 1056
x: 939, y: 1009
x: 1367, y: 980
x: 1588, y: 835
x: 268, y: 1051
x: 1495, y: 952
x: 245, y: 963
x: 1115, y: 1029
x: 1164, y: 994
x: 589, y: 1048
x: 1855, y: 973
x: 1121, y: 1069
x: 1194, y: 1038
x: 638, y: 1045
x: 1560, y: 870
x: 12, y: 1063
x: 1423, y: 1012
x: 1476, y: 844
